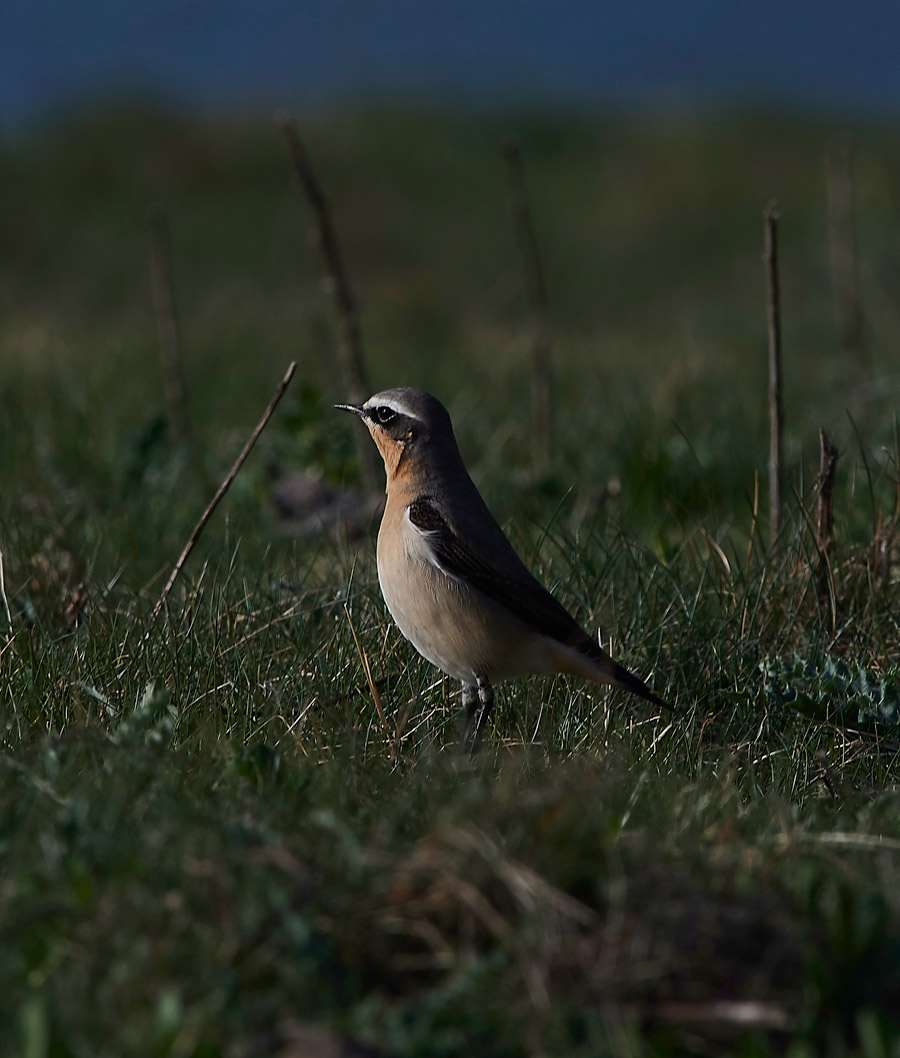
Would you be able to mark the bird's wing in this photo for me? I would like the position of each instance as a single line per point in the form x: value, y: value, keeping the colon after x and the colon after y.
x: 511, y: 585
x: 519, y: 592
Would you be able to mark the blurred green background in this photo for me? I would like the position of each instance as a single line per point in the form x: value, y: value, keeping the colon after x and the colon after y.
x: 650, y: 234
x: 243, y: 827
x: 217, y: 834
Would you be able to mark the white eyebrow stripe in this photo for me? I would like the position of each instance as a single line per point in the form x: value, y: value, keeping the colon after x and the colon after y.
x: 394, y: 405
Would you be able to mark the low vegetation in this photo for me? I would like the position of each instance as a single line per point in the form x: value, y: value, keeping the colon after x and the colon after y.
x: 244, y: 827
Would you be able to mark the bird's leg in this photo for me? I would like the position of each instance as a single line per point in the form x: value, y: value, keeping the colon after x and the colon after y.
x: 478, y: 700
x: 470, y: 709
x: 486, y: 703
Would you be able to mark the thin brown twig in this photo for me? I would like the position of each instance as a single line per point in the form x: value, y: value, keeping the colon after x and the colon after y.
x: 351, y: 354
x: 223, y: 488
x: 167, y: 325
x: 776, y: 409
x: 536, y: 290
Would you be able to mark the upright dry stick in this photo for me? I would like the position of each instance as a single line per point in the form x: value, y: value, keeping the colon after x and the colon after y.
x: 167, y: 325
x: 223, y: 488
x: 541, y: 369
x: 776, y: 412
x: 350, y: 347
x: 828, y: 458
x: 842, y: 238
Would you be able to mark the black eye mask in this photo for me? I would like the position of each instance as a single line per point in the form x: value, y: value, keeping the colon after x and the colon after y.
x: 383, y: 415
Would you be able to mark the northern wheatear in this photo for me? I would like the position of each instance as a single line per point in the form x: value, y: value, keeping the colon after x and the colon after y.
x: 451, y: 579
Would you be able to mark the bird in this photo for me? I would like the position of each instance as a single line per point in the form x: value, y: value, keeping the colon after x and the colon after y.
x: 451, y: 579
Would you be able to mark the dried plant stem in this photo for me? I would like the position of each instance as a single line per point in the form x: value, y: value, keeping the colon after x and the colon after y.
x: 542, y: 347
x: 223, y: 488
x: 167, y: 325
x: 825, y: 524
x: 776, y: 411
x: 351, y: 354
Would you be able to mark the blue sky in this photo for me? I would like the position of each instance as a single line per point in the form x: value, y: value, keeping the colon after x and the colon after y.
x: 813, y: 54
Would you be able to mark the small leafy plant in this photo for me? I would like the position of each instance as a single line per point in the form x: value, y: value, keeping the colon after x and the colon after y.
x: 832, y: 691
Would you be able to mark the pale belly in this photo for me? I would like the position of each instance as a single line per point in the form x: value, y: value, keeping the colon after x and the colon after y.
x: 459, y: 630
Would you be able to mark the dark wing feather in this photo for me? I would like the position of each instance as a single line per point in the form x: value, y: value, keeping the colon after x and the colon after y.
x: 524, y: 596
x: 520, y: 593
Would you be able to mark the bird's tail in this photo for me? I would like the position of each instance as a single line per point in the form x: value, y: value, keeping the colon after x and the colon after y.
x: 590, y: 661
x: 621, y: 677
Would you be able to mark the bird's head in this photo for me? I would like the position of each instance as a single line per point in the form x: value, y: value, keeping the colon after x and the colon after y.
x: 405, y: 422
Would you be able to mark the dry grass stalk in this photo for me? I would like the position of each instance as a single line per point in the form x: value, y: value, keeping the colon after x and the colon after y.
x: 351, y: 354
x: 457, y: 892
x: 658, y: 948
x: 223, y: 488
x: 824, y: 578
x: 541, y: 367
x: 776, y: 410
x: 167, y: 326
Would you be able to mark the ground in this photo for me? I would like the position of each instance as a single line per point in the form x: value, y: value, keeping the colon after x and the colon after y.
x: 244, y: 826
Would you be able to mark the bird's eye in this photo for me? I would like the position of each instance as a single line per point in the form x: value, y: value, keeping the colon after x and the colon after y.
x: 383, y: 415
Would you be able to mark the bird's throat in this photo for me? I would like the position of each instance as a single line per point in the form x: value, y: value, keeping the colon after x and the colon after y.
x: 395, y: 465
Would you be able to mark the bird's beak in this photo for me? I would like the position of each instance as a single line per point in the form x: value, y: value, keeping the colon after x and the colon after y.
x: 357, y: 409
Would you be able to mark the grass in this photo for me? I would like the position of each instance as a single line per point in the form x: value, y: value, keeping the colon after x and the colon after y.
x: 214, y: 841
